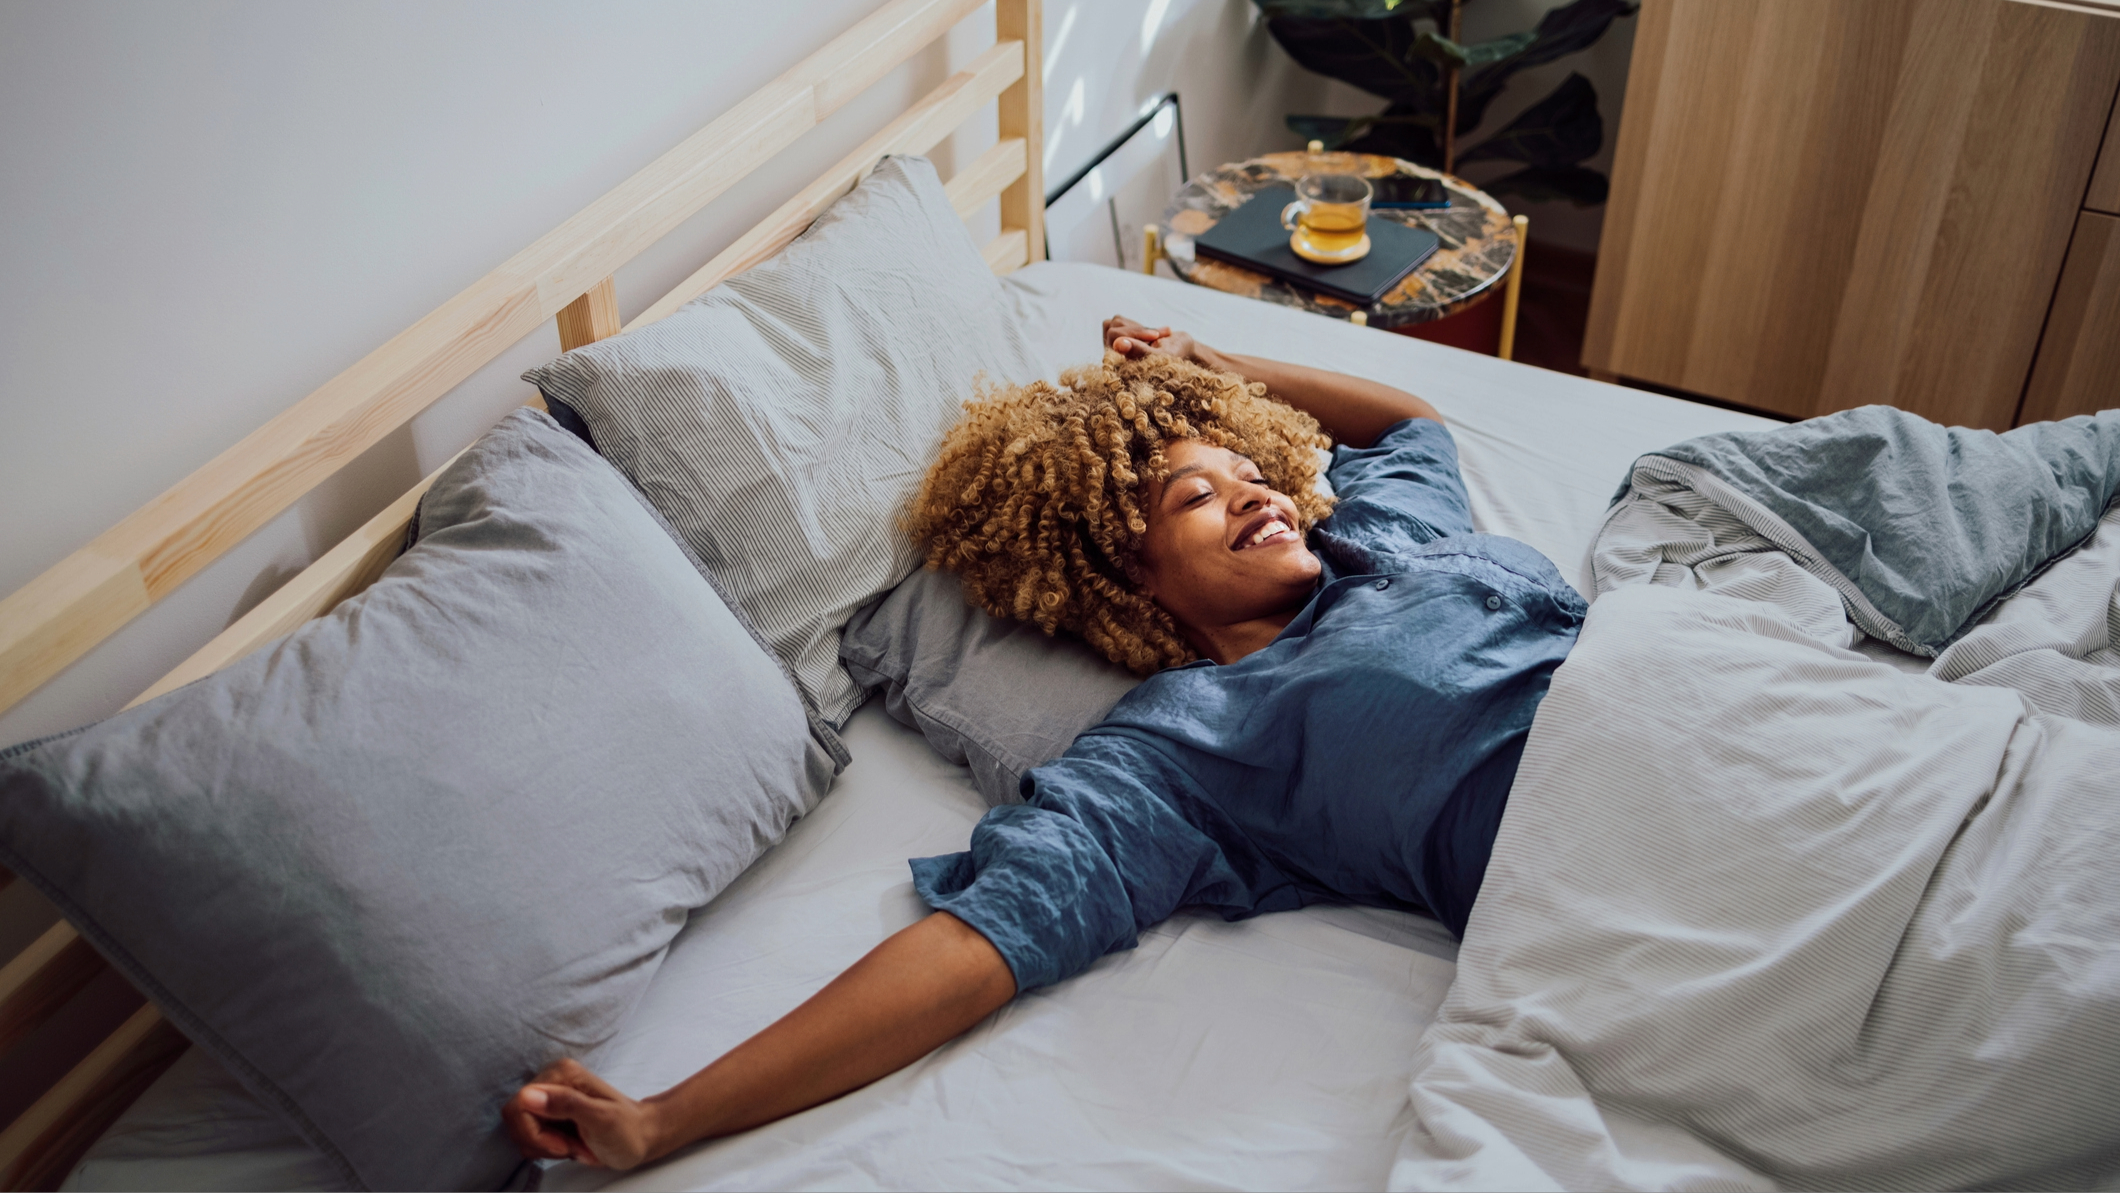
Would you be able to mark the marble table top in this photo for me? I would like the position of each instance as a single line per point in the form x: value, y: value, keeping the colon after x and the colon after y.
x: 1478, y: 241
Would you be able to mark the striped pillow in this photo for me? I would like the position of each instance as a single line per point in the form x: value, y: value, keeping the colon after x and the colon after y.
x: 782, y: 421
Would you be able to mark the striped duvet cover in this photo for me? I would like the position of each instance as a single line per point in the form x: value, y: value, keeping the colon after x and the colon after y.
x: 1766, y: 910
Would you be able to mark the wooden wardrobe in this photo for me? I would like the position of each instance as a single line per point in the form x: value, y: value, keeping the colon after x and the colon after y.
x: 1820, y: 204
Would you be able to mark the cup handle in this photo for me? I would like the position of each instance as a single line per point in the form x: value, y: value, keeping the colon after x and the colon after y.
x: 1286, y: 222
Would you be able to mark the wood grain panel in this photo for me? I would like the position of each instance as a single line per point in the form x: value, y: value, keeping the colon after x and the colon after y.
x: 1022, y: 114
x: 1698, y: 48
x: 592, y: 317
x: 39, y: 980
x: 2104, y: 193
x: 77, y: 603
x: 2078, y: 370
x: 1638, y: 128
x: 1959, y: 321
x: 988, y: 176
x: 37, y: 1149
x: 61, y: 614
x: 346, y: 569
x: 1818, y: 205
x: 1007, y: 252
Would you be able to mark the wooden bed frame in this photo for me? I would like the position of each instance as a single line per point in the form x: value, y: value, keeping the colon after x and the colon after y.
x: 564, y: 276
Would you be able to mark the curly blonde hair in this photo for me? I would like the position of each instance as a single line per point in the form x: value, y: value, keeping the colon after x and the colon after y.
x: 1036, y: 501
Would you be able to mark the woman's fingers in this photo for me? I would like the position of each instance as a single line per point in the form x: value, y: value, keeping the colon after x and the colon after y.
x: 567, y: 1112
x: 533, y: 1137
x: 587, y: 1113
x: 1119, y: 326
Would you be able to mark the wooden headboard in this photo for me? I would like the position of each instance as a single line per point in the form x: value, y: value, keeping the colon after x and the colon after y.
x: 564, y: 276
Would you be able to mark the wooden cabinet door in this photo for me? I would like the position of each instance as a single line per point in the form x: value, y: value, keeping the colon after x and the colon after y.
x: 2078, y: 371
x: 1820, y: 204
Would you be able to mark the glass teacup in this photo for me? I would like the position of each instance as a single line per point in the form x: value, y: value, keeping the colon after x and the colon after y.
x: 1329, y: 221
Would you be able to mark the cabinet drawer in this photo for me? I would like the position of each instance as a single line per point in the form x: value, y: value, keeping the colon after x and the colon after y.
x: 1818, y: 205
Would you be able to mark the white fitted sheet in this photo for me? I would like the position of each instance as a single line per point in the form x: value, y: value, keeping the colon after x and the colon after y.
x: 1273, y: 1053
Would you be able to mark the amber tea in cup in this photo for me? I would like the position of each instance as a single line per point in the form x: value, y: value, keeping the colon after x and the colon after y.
x: 1329, y: 221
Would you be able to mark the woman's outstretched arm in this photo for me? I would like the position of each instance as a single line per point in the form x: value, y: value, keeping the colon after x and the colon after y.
x: 1352, y: 410
x: 918, y: 990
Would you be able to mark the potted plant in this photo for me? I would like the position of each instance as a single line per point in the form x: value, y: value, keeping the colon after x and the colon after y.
x: 1406, y: 52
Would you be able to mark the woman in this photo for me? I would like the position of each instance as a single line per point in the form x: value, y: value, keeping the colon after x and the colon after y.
x: 1336, y: 708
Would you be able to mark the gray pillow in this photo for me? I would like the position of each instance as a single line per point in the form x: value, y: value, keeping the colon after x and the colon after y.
x: 390, y: 866
x: 998, y: 696
x: 782, y: 420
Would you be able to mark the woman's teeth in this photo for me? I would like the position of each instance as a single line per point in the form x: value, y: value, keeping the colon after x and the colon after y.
x: 1272, y: 529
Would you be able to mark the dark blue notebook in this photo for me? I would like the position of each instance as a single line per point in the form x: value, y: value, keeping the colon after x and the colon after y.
x: 1252, y: 237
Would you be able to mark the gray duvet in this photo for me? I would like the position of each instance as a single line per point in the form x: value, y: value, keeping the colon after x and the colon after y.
x: 1766, y: 911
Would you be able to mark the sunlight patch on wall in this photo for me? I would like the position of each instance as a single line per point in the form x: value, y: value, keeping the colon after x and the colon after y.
x: 1071, y: 114
x: 1067, y: 26
x: 1152, y: 23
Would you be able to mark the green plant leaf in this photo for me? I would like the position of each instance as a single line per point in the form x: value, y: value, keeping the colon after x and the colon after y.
x: 1400, y: 131
x: 1446, y: 53
x: 1559, y: 130
x: 1440, y: 50
x: 1385, y: 49
x: 1579, y: 185
x: 1566, y: 30
x: 1376, y: 56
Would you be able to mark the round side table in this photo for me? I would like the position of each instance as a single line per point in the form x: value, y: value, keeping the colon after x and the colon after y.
x: 1478, y: 240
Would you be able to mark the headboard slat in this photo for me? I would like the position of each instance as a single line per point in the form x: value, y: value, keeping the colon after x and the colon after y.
x: 565, y: 275
x: 62, y: 614
x: 38, y: 1149
x: 1007, y: 252
x: 592, y: 317
x: 923, y: 126
x: 1023, y: 115
x: 988, y: 176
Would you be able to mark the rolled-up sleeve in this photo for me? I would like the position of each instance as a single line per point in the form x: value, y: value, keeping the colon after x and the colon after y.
x: 1096, y: 854
x: 1403, y: 491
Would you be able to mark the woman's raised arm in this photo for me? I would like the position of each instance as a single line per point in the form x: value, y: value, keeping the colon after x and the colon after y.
x: 1353, y: 410
x: 918, y: 990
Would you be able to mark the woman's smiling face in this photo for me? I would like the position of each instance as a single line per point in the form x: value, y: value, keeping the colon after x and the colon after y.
x: 1222, y: 548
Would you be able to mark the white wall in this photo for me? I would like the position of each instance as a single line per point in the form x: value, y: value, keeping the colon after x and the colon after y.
x: 209, y: 208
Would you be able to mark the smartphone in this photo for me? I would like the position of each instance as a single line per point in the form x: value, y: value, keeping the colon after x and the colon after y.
x: 1408, y: 190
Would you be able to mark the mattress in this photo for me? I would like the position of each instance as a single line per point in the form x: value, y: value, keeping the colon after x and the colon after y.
x: 1272, y: 1053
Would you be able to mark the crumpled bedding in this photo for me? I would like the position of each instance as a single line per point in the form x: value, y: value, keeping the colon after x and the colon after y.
x: 1765, y: 911
x: 1920, y: 529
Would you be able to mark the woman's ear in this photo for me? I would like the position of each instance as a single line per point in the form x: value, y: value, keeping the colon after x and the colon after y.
x: 1140, y: 578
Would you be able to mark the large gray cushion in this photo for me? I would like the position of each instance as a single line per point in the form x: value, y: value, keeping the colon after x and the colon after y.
x: 782, y: 421
x: 387, y: 868
x: 998, y: 696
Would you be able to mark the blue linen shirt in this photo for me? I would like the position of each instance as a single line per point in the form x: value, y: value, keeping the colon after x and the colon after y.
x: 1364, y: 756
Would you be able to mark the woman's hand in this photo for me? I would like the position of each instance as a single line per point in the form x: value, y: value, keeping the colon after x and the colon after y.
x: 1134, y: 341
x: 920, y: 989
x: 1353, y: 410
x: 569, y: 1113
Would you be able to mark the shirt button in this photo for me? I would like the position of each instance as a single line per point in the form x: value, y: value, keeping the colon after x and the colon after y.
x: 1494, y: 602
x: 1383, y: 584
